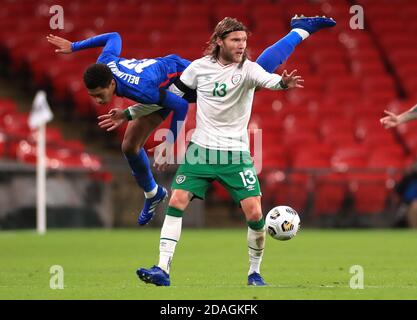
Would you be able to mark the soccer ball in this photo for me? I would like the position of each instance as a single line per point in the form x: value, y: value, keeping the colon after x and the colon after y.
x: 282, y: 222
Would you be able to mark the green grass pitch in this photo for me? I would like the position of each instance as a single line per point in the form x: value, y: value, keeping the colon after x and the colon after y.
x: 209, y: 264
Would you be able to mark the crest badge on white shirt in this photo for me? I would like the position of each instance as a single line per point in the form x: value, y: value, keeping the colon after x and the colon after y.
x: 236, y: 79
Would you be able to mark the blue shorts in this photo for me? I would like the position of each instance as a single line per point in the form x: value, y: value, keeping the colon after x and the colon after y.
x: 180, y: 65
x: 164, y: 113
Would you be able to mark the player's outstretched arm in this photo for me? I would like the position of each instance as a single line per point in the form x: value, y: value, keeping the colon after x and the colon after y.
x: 63, y: 45
x: 392, y: 120
x: 259, y: 78
x: 113, y: 119
x: 111, y: 42
x: 291, y: 80
x: 116, y: 117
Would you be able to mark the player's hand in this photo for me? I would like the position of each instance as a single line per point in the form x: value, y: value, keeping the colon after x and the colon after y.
x: 390, y: 121
x: 163, y: 155
x: 292, y: 80
x: 112, y: 120
x: 64, y: 46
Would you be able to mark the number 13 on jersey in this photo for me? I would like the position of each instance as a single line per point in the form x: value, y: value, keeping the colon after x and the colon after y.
x: 220, y: 89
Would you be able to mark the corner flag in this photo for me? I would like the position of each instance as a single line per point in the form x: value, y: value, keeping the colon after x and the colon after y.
x: 41, y: 113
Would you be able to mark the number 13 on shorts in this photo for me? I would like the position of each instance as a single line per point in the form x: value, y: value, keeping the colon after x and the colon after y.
x: 248, y: 177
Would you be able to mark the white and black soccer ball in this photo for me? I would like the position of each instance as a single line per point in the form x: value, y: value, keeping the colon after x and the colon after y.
x: 282, y: 222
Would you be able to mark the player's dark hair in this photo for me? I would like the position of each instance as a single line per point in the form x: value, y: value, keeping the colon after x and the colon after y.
x: 223, y: 28
x: 97, y: 75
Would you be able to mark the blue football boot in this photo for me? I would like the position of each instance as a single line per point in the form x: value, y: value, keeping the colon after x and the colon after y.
x: 255, y: 279
x: 150, y: 204
x: 154, y: 275
x: 312, y: 24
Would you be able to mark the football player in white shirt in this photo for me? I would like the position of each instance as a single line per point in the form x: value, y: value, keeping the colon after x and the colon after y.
x: 225, y: 81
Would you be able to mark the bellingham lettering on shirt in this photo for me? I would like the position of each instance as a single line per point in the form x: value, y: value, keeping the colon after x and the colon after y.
x: 122, y: 75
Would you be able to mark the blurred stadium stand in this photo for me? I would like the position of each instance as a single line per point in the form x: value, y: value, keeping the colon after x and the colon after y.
x: 324, y: 151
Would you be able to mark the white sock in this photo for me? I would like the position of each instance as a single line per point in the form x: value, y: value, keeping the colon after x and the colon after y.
x: 303, y: 34
x: 151, y: 193
x: 256, y: 245
x: 170, y: 234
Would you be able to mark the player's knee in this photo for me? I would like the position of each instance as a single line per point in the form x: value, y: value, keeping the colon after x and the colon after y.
x: 179, y: 199
x: 254, y: 216
x: 129, y: 148
x: 252, y: 210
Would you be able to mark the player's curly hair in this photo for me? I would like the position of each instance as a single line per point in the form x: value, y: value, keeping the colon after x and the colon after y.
x: 97, y: 75
x: 223, y: 28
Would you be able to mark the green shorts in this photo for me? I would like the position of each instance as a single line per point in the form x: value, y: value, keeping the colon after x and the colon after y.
x: 233, y: 169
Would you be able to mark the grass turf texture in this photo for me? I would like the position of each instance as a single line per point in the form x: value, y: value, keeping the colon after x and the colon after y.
x: 209, y: 264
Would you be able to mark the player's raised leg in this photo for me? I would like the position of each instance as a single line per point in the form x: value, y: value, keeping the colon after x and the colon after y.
x: 136, y: 134
x: 275, y: 55
x: 170, y: 235
x: 256, y: 238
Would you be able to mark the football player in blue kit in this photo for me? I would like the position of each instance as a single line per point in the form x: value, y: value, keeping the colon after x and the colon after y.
x: 152, y: 83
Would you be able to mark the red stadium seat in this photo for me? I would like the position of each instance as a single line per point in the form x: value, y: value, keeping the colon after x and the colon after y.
x: 84, y: 105
x: 346, y: 82
x: 269, y: 30
x: 339, y: 139
x: 308, y: 9
x: 220, y: 192
x: 370, y: 111
x: 274, y: 159
x: 7, y: 106
x: 375, y: 68
x: 297, y: 140
x: 58, y: 158
x: 73, y: 145
x: 368, y: 126
x: 293, y: 191
x: 370, y: 192
x: 194, y: 23
x: 15, y: 124
x: 331, y: 125
x: 2, y: 145
x: 384, y: 160
x: 238, y: 11
x: 265, y: 12
x: 350, y: 157
x: 312, y: 156
x: 375, y: 139
x: 330, y: 192
x: 53, y: 135
x: 193, y: 9
x: 297, y: 124
x: 333, y: 69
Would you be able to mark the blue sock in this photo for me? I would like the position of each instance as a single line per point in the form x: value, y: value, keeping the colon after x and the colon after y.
x: 141, y: 170
x: 272, y: 57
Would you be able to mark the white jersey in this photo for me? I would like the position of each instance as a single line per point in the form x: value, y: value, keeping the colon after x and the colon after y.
x: 224, y: 101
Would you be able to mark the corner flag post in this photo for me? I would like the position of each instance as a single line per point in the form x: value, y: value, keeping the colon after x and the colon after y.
x: 41, y: 182
x: 39, y: 116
